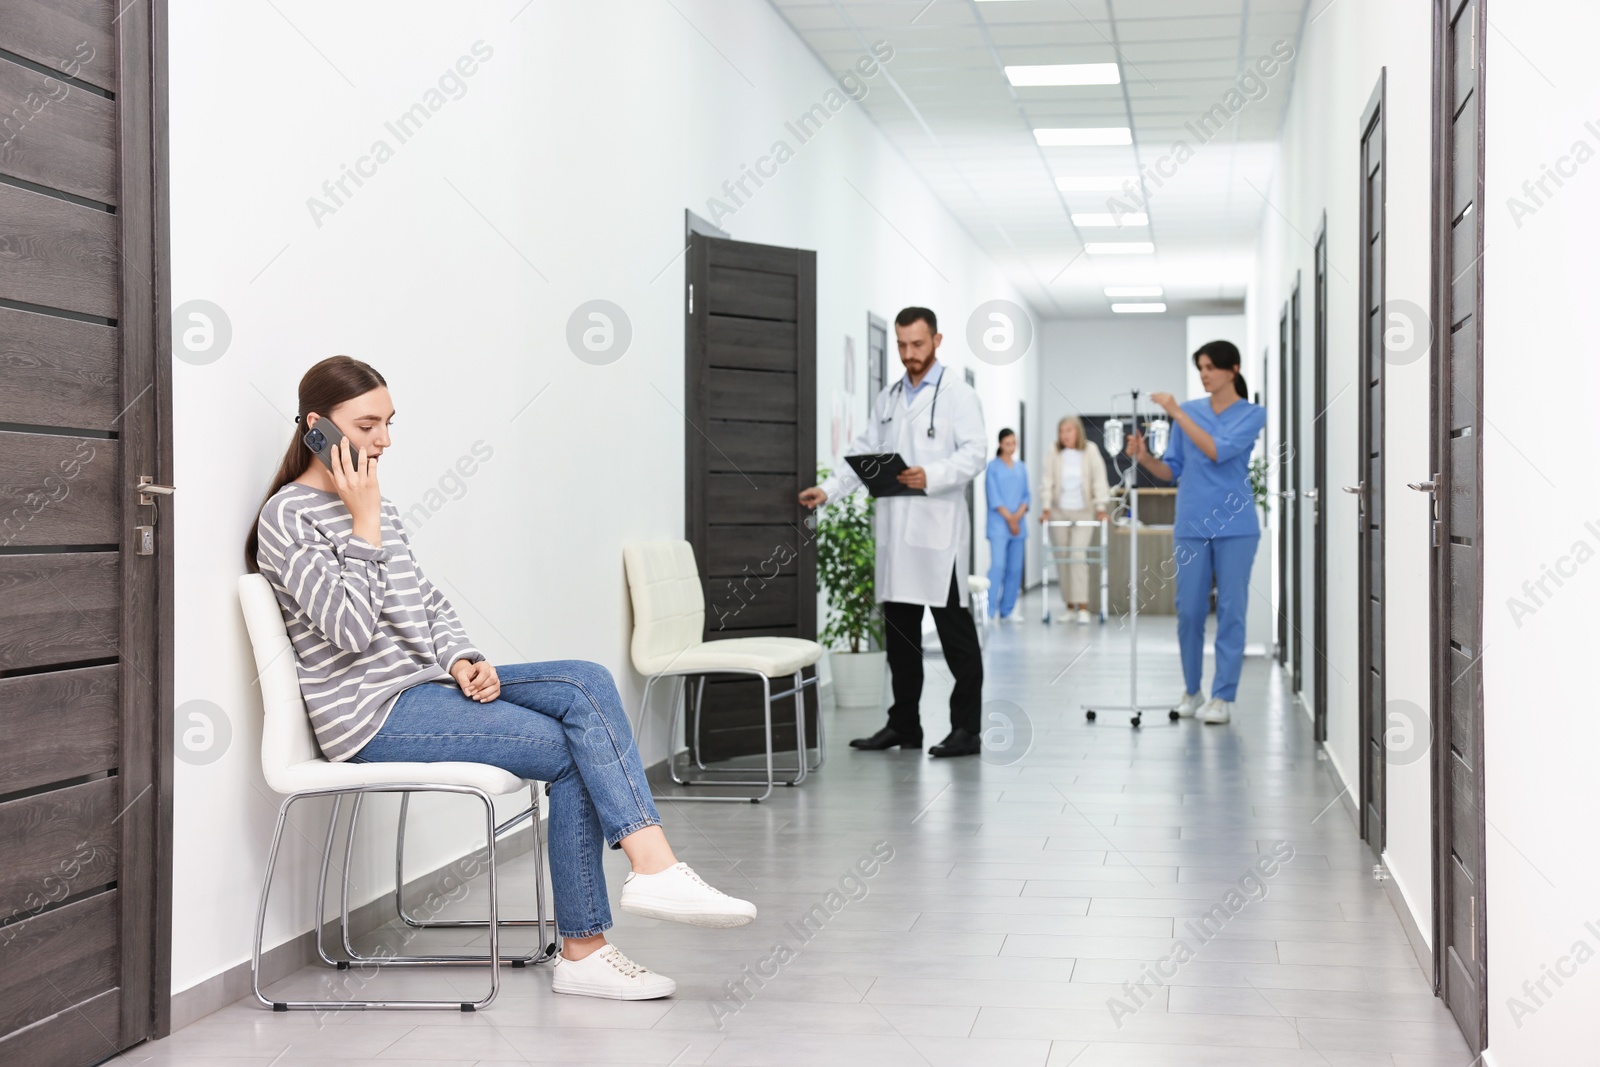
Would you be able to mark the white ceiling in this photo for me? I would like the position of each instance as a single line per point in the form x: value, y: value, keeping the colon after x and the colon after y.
x: 946, y: 104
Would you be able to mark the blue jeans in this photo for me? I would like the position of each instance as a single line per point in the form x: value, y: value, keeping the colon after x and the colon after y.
x: 1229, y: 559
x: 559, y: 722
x: 1006, y: 555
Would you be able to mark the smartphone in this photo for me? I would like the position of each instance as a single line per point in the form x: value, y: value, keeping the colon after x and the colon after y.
x: 324, y: 437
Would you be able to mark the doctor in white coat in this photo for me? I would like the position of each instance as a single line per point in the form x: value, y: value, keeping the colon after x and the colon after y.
x: 935, y: 421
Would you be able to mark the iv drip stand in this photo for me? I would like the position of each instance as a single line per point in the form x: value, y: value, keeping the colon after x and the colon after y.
x: 1130, y: 486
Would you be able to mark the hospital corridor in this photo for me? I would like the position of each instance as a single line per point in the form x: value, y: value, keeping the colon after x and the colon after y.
x: 769, y: 533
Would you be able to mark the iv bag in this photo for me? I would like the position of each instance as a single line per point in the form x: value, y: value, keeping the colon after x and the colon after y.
x: 1111, y: 434
x: 1160, y: 430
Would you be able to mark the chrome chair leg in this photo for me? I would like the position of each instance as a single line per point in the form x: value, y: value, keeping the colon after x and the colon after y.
x: 679, y: 700
x: 822, y: 720
x: 322, y: 884
x: 435, y: 959
x: 532, y: 811
x: 799, y: 682
x: 493, y: 959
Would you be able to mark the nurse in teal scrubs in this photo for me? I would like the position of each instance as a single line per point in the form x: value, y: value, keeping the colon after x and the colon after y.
x: 1005, y: 487
x: 1215, y: 532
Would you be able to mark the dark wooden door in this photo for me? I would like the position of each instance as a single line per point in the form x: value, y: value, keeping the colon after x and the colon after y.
x: 1286, y: 453
x: 1460, y: 937
x: 1370, y: 379
x: 85, y: 621
x: 1318, y: 492
x: 750, y: 446
x: 1292, y: 509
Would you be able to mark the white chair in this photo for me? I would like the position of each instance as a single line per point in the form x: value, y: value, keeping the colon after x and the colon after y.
x: 294, y: 766
x: 669, y: 617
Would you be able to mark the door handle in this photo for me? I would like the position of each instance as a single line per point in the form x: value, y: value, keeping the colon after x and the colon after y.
x: 1310, y: 494
x: 1360, y: 491
x: 1430, y: 486
x: 1287, y: 494
x: 147, y: 486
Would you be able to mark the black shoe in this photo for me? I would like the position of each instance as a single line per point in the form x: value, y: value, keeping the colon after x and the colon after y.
x: 888, y: 737
x: 959, y: 743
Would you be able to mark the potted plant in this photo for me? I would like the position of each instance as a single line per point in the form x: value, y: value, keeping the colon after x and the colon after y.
x: 847, y: 571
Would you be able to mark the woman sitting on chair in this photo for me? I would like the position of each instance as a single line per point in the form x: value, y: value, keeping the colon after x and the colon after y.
x: 388, y: 675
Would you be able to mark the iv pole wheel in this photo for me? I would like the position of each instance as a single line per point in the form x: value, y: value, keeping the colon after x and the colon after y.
x: 1135, y: 722
x: 1172, y: 716
x: 1089, y: 715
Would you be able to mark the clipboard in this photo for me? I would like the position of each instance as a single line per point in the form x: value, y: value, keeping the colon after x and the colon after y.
x: 879, y: 472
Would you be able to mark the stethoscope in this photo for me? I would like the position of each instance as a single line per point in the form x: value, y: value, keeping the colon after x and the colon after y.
x: 900, y: 387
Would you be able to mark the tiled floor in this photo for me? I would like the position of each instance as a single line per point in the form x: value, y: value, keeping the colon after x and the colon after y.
x: 1025, y: 892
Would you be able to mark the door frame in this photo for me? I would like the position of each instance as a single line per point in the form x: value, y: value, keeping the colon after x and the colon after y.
x: 1374, y: 782
x: 1441, y: 386
x: 1297, y: 645
x: 1319, y: 481
x: 146, y: 337
x: 1285, y: 452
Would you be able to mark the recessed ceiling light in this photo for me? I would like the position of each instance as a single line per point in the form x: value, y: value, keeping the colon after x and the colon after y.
x: 1133, y: 290
x: 1138, y: 309
x: 1121, y: 218
x: 1065, y: 74
x: 1091, y: 185
x: 1072, y: 136
x: 1119, y: 248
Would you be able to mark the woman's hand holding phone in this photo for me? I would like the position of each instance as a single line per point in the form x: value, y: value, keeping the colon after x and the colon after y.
x: 358, y: 488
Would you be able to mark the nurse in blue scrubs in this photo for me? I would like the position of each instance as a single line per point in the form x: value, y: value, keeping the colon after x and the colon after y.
x: 1005, y: 487
x: 1215, y: 532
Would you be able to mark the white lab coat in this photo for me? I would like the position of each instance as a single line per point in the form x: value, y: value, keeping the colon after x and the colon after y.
x: 922, y: 540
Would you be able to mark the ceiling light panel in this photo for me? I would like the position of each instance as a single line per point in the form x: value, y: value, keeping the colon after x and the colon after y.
x: 1095, y: 219
x: 1064, y: 74
x: 1119, y: 248
x: 1081, y: 136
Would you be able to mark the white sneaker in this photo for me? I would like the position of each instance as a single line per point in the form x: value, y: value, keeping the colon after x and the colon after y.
x: 679, y: 894
x: 1216, y: 711
x: 1083, y: 616
x: 1016, y: 616
x: 1188, y: 705
x: 608, y: 973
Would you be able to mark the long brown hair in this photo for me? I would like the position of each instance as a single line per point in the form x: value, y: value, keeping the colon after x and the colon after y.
x: 324, y: 387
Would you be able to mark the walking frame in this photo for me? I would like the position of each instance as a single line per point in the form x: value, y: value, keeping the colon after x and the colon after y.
x: 1060, y: 556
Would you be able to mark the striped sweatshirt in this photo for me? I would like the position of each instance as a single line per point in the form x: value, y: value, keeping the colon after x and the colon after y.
x: 365, y: 622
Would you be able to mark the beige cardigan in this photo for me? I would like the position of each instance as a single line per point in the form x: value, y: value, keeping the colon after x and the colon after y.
x: 1096, y: 490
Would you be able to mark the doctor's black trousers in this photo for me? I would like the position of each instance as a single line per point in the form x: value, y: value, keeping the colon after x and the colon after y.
x: 958, y: 636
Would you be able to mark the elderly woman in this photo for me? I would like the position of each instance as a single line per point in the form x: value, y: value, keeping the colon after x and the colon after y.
x: 1074, y: 487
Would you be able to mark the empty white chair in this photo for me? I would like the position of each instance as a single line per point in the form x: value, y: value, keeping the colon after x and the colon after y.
x: 669, y: 618
x: 294, y: 766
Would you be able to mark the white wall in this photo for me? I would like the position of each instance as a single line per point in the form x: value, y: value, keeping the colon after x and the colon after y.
x: 1089, y: 365
x: 1540, y: 511
x: 1340, y: 59
x: 559, y: 175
